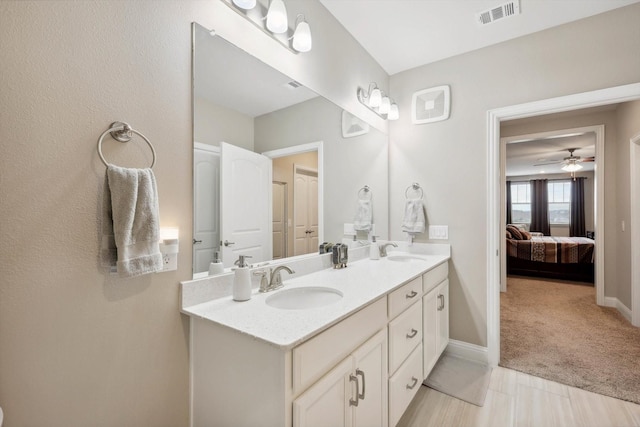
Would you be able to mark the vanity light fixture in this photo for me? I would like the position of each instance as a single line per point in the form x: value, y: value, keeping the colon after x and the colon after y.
x: 272, y: 19
x: 375, y: 100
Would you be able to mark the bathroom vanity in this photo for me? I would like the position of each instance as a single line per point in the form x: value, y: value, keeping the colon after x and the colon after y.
x: 354, y: 359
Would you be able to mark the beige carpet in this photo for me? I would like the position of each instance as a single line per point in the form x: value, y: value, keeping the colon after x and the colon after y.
x: 460, y: 378
x: 554, y: 330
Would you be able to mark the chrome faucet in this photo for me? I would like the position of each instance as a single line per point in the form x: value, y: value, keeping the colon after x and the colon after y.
x: 383, y: 248
x: 271, y: 280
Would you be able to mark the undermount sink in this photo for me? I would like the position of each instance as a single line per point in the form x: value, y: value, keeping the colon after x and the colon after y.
x: 301, y: 298
x: 404, y: 258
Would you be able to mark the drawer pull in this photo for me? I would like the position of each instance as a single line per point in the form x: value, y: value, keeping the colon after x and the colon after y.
x: 441, y: 305
x: 361, y: 395
x: 413, y: 384
x: 411, y: 295
x: 355, y: 402
x: 412, y: 334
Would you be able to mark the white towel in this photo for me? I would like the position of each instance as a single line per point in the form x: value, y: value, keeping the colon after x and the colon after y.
x: 130, y: 225
x: 413, y: 221
x: 364, y: 216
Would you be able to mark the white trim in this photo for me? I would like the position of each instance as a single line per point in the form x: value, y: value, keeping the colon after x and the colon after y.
x: 494, y: 117
x: 615, y: 303
x: 206, y: 147
x: 305, y: 148
x: 467, y: 351
x: 635, y: 231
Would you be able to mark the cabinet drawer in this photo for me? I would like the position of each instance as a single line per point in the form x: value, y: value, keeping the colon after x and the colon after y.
x: 404, y: 385
x: 405, y: 333
x: 431, y: 278
x: 315, y: 357
x: 403, y: 297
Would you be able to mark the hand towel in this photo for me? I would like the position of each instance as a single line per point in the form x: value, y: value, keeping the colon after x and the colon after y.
x: 130, y: 228
x: 364, y: 216
x: 413, y: 221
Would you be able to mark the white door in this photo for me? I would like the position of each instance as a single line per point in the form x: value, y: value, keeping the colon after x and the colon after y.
x: 245, y: 196
x: 305, y: 200
x: 443, y: 316
x: 430, y: 330
x: 371, y: 370
x: 279, y: 227
x: 206, y: 205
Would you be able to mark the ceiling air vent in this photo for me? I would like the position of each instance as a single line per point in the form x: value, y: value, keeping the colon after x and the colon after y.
x: 504, y: 10
x: 292, y: 84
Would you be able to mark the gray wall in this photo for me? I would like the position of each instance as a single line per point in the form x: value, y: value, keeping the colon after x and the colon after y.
x: 590, y: 54
x: 79, y: 347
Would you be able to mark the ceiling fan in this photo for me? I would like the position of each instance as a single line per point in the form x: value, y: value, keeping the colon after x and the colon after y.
x: 570, y: 163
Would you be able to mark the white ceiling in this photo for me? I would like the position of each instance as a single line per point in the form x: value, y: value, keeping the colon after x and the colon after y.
x: 404, y: 34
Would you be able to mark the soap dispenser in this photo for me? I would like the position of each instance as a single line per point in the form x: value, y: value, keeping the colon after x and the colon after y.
x: 216, y: 267
x: 374, y: 249
x: 242, y: 280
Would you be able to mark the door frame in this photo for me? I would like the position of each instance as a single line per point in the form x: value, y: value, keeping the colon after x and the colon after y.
x: 598, y: 191
x: 635, y: 230
x: 305, y: 148
x: 612, y: 95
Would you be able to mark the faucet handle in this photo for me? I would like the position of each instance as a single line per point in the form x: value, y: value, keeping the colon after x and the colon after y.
x: 264, y: 281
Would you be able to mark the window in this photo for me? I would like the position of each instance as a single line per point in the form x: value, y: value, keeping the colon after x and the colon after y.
x: 559, y: 202
x: 520, y: 203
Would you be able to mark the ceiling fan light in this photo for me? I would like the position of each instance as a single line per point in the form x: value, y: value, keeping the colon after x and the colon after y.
x: 277, y: 17
x: 245, y: 4
x: 302, y: 41
x: 571, y: 167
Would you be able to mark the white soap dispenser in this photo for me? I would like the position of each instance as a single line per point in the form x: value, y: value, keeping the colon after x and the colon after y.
x: 216, y: 267
x: 242, y: 280
x: 374, y: 249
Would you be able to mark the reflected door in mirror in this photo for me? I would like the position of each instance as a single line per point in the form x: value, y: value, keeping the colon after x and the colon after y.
x: 305, y: 200
x: 206, y: 205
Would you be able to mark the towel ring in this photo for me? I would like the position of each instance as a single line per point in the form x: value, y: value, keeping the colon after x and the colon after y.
x: 363, y: 192
x: 415, y: 186
x: 121, y: 131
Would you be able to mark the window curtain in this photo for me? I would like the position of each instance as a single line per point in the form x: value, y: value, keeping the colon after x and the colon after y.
x: 540, y: 207
x: 508, y: 202
x: 577, y: 224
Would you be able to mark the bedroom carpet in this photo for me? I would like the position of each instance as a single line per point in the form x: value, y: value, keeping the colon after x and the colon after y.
x: 555, y: 330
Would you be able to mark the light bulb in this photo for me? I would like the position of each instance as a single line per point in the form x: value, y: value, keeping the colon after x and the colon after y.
x: 375, y: 98
x: 302, y: 37
x: 277, y: 17
x: 385, y: 105
x: 394, y: 113
x: 245, y: 4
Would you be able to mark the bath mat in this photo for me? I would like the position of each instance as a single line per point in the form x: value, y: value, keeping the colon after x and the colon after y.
x: 460, y: 378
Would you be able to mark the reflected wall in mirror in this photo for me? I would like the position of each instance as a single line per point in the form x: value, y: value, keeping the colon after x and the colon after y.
x: 273, y: 175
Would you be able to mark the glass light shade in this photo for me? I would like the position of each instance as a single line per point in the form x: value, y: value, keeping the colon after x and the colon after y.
x: 375, y: 98
x: 302, y: 37
x: 277, y: 17
x: 571, y: 167
x: 385, y: 105
x: 245, y: 4
x: 394, y: 113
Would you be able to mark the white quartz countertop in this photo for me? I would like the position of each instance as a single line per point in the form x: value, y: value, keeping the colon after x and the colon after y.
x: 361, y: 283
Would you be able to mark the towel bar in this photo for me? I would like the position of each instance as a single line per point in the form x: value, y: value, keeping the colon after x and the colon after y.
x: 363, y: 192
x: 121, y: 131
x: 415, y: 186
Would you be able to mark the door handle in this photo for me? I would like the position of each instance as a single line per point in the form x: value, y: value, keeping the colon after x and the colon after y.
x: 196, y: 242
x: 355, y: 402
x: 227, y: 243
x: 413, y: 384
x: 359, y: 372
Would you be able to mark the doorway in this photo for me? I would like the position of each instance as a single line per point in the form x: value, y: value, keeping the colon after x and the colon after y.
x: 495, y: 235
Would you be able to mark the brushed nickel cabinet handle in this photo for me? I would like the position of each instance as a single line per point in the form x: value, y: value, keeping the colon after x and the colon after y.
x: 355, y: 402
x: 361, y: 396
x: 412, y: 334
x: 412, y: 294
x: 413, y: 384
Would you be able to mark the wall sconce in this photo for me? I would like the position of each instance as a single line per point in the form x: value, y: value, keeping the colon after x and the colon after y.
x: 169, y: 248
x: 273, y: 21
x: 376, y: 100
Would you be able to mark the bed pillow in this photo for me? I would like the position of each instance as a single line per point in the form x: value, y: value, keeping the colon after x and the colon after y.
x: 525, y: 235
x: 515, y: 232
x: 509, y: 236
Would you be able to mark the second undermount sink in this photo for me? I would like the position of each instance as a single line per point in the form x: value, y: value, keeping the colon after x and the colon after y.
x: 302, y: 298
x: 404, y: 257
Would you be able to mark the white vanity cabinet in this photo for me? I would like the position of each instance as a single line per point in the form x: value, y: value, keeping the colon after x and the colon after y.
x: 435, y: 305
x: 354, y: 393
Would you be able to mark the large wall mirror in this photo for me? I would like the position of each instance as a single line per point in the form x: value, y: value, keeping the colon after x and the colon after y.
x: 277, y: 168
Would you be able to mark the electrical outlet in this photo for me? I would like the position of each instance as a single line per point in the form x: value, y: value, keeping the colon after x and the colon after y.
x: 439, y: 232
x: 169, y: 262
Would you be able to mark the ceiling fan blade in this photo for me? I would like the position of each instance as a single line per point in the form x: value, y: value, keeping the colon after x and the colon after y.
x: 548, y: 163
x: 588, y: 159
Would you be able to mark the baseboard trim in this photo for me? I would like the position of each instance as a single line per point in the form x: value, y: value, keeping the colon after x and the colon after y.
x: 468, y: 351
x: 615, y: 303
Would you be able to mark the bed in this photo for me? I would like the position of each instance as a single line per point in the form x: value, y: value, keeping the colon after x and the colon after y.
x: 566, y: 258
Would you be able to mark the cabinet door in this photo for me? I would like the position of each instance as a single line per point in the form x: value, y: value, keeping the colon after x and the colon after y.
x: 326, y: 403
x: 371, y: 370
x: 443, y: 316
x: 430, y: 330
